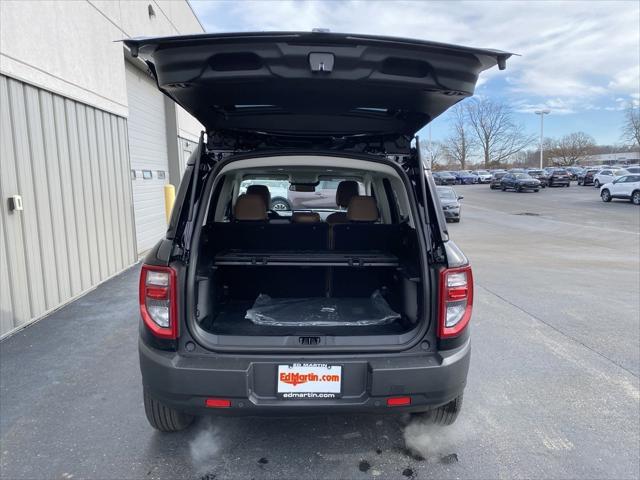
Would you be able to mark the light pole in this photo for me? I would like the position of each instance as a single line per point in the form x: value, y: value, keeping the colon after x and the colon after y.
x: 542, y: 113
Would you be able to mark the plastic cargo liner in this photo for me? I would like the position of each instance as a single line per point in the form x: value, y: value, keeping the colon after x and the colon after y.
x: 321, y: 312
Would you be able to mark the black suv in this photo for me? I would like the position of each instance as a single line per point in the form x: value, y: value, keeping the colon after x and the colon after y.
x: 519, y: 182
x: 558, y: 176
x: 364, y: 307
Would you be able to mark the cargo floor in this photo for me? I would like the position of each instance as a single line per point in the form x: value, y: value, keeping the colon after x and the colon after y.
x: 230, y: 320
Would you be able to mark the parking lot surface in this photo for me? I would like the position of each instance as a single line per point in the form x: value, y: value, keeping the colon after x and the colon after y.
x: 553, y: 389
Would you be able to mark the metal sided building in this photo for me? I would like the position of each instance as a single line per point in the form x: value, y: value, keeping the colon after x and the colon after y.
x: 87, y: 143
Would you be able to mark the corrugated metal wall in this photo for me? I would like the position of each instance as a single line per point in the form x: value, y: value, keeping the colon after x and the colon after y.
x: 70, y: 164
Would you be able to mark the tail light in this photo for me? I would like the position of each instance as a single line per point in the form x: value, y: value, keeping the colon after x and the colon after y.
x: 158, y: 300
x: 456, y: 301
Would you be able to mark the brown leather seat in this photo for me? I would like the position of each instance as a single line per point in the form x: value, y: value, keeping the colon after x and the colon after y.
x: 346, y: 190
x: 362, y: 209
x: 263, y: 191
x: 305, y: 217
x: 250, y: 208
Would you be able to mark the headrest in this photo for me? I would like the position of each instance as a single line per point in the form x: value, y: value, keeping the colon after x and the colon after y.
x: 263, y: 191
x: 250, y: 208
x: 346, y: 190
x: 305, y: 217
x: 362, y: 209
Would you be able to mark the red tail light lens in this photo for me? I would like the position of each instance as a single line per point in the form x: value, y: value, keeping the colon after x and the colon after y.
x: 398, y: 401
x: 456, y: 301
x: 158, y: 300
x: 217, y: 403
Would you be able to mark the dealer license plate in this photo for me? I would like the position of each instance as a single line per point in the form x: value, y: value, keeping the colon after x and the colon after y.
x: 309, y: 380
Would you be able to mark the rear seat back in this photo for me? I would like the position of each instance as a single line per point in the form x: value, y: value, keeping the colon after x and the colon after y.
x: 267, y: 236
x: 368, y: 236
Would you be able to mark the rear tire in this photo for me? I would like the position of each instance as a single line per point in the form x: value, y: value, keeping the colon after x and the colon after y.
x: 163, y: 418
x: 605, y: 195
x: 504, y: 189
x: 635, y: 197
x: 444, y: 415
x: 536, y: 190
x: 596, y: 183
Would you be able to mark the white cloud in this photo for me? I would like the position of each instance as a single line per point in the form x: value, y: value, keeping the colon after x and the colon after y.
x: 579, y: 53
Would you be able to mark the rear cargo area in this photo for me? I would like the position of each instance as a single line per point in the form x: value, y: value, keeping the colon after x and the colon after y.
x: 302, y: 279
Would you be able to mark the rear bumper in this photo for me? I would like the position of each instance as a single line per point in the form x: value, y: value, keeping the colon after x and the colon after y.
x: 249, y: 382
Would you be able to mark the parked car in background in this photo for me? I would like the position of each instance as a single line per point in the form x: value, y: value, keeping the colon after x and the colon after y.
x: 626, y: 187
x: 517, y: 170
x: 444, y: 178
x: 633, y: 169
x: 586, y: 177
x: 519, y: 182
x: 558, y: 177
x: 450, y: 202
x: 495, y: 180
x: 608, y: 175
x: 465, y: 178
x: 539, y: 175
x: 483, y: 176
x: 574, y: 172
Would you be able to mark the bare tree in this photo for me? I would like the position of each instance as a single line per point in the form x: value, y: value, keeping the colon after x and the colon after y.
x: 460, y: 144
x: 572, y: 148
x: 499, y: 137
x: 433, y: 154
x: 631, y: 128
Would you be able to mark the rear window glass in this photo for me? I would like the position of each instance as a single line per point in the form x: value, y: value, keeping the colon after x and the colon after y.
x: 319, y: 198
x: 446, y: 193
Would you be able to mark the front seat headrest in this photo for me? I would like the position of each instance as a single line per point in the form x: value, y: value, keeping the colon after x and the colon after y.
x: 305, y: 217
x: 263, y: 191
x: 362, y: 209
x: 250, y: 208
x: 346, y: 190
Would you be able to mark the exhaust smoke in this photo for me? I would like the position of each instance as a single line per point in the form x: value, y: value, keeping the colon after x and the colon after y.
x: 205, y: 447
x: 434, y: 443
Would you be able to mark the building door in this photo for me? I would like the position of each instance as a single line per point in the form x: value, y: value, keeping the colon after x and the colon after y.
x: 148, y: 153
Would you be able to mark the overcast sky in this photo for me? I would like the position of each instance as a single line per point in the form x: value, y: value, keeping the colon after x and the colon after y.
x: 579, y: 59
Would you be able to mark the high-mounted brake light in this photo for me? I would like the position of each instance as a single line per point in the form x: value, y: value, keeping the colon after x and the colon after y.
x: 456, y: 301
x: 158, y: 305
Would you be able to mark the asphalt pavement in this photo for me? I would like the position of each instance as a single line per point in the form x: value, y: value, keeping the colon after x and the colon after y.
x: 553, y: 389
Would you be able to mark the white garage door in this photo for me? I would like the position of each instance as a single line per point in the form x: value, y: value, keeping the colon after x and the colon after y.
x: 149, y: 160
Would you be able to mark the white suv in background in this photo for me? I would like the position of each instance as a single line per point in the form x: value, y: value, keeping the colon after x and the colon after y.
x: 608, y: 175
x: 483, y: 176
x: 626, y: 187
